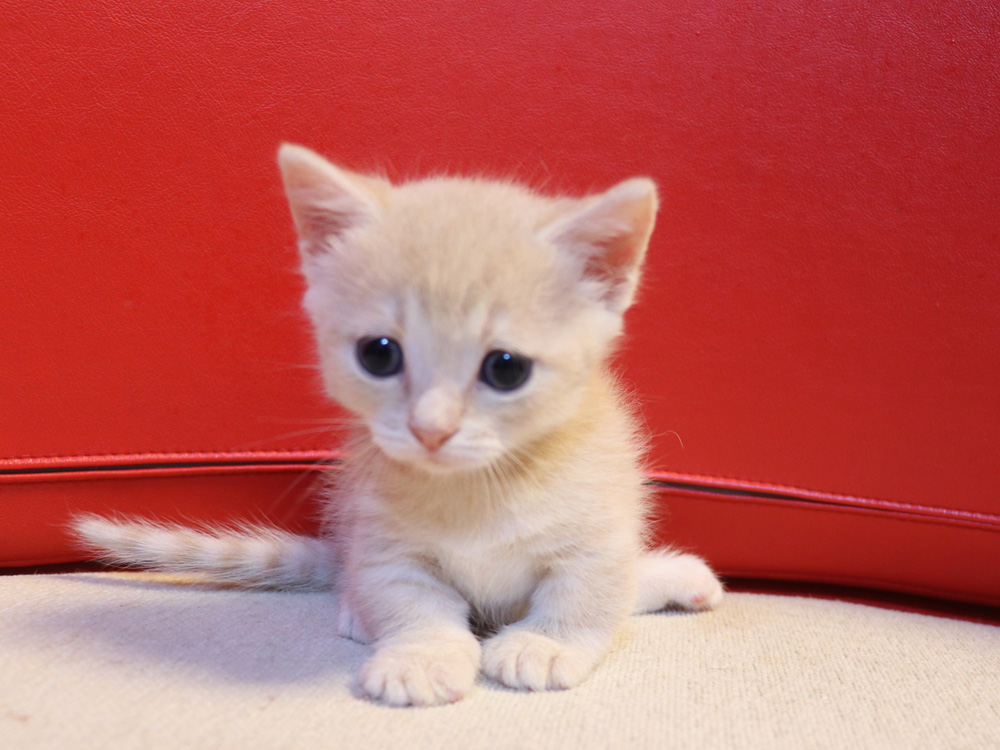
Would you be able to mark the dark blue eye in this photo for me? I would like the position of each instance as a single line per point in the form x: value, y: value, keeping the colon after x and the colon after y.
x: 505, y: 371
x: 380, y: 355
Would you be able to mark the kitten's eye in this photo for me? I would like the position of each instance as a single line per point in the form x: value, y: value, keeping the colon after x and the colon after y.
x: 380, y: 355
x: 505, y: 371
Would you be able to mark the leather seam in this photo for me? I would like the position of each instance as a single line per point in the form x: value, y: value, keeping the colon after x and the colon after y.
x: 988, y: 524
x: 803, y: 494
x: 89, y: 459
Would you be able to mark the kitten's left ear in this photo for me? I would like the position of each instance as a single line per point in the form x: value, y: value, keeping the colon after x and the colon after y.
x: 608, y: 238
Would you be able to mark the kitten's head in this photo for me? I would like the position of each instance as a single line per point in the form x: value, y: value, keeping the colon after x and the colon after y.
x: 461, y: 320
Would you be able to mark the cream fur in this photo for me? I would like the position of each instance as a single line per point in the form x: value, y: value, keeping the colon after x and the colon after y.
x: 529, y: 517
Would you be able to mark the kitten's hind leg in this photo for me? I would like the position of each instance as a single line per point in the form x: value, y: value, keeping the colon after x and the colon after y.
x: 676, y: 579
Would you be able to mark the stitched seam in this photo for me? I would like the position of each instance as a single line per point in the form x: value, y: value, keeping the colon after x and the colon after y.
x: 167, y: 455
x: 989, y: 525
x: 803, y: 494
x: 981, y: 522
x: 766, y: 486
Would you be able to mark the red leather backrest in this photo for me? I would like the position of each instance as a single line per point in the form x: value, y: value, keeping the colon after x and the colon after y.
x: 821, y: 311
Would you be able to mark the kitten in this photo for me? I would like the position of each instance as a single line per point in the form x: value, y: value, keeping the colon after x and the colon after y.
x: 495, y: 471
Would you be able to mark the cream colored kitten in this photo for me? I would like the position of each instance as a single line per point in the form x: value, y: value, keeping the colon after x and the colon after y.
x: 494, y: 476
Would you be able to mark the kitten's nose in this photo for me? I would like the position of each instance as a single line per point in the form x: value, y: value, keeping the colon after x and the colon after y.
x: 431, y: 439
x: 436, y: 415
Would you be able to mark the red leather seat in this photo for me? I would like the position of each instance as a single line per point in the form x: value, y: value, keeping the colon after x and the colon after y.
x: 817, y: 346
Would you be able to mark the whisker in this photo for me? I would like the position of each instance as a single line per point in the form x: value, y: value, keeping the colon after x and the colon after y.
x: 329, y: 425
x: 286, y: 435
x: 293, y: 366
x: 310, y: 420
x: 494, y: 483
x: 665, y: 433
x: 316, y: 473
x: 525, y: 472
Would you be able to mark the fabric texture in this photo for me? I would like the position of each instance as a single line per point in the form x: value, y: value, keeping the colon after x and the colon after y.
x: 139, y: 661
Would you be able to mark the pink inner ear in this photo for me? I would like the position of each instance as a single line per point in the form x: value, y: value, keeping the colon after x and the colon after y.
x: 612, y: 235
x: 615, y: 257
x: 322, y: 215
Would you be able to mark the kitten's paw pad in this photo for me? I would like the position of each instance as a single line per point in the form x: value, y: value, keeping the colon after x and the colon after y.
x: 420, y: 674
x: 531, y: 661
x: 697, y: 586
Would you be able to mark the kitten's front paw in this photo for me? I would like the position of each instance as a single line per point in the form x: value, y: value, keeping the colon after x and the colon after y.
x: 421, y: 673
x: 527, y: 660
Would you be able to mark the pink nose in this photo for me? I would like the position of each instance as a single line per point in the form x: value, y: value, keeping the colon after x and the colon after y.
x: 431, y: 439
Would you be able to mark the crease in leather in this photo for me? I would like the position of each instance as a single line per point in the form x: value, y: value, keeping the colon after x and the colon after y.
x: 751, y: 489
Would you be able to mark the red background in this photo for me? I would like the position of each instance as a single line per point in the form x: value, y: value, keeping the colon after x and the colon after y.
x: 821, y: 315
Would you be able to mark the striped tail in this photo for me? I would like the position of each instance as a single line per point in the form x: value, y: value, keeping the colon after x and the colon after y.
x: 253, y: 558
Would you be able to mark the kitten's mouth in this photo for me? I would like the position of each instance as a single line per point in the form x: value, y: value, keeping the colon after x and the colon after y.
x: 442, y: 459
x: 438, y: 463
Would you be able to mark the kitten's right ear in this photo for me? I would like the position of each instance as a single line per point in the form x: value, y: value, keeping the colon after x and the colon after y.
x: 326, y: 201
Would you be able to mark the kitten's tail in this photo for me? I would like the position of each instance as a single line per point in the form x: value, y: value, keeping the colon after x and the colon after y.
x: 254, y: 558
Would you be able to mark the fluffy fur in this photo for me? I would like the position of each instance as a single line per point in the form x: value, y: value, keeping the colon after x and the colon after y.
x: 520, y: 510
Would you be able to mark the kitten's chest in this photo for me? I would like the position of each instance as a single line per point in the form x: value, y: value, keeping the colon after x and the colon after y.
x: 493, y: 572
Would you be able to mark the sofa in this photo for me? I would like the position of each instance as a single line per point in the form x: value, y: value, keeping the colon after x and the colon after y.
x: 816, y: 344
x: 815, y: 349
